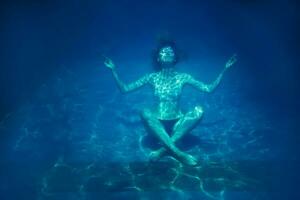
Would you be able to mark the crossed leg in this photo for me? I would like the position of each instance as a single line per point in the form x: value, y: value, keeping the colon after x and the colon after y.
x: 185, y: 124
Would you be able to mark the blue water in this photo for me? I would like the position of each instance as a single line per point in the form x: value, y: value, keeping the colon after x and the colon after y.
x: 67, y: 132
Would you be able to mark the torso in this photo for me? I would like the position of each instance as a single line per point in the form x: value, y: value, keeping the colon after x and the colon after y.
x: 167, y: 86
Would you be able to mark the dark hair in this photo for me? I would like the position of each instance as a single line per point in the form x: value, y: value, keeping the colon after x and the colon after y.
x: 163, y: 42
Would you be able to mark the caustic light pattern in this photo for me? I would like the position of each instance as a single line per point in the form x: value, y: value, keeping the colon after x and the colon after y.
x: 92, y: 143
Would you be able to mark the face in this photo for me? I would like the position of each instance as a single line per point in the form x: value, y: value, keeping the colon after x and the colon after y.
x: 166, y: 55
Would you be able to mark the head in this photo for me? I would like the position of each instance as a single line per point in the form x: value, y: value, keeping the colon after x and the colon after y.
x: 165, y: 55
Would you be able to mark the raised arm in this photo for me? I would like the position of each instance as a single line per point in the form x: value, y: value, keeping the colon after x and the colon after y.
x: 122, y: 86
x: 210, y: 87
x: 131, y: 86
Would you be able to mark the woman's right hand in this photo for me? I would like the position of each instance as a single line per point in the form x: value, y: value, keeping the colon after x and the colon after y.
x: 108, y: 63
x: 231, y: 61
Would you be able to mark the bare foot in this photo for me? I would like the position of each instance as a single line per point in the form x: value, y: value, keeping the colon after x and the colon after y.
x: 186, y: 159
x: 157, y: 154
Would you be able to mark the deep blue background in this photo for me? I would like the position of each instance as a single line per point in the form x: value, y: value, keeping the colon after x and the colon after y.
x: 38, y: 39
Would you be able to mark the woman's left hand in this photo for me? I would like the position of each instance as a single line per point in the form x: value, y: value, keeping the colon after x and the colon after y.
x: 231, y: 61
x: 108, y: 62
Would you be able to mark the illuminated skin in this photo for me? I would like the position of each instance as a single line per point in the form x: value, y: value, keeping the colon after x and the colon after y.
x: 167, y: 84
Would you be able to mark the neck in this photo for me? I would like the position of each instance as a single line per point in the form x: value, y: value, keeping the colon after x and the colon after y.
x: 167, y: 71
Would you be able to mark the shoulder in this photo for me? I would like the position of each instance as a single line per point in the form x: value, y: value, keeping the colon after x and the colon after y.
x: 151, y: 77
x: 154, y: 75
x: 184, y: 77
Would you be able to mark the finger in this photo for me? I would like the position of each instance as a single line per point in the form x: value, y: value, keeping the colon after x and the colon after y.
x: 105, y: 57
x: 107, y: 64
x: 233, y: 60
x: 233, y: 56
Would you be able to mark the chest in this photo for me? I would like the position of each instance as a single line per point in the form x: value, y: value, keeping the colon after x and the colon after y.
x: 167, y: 86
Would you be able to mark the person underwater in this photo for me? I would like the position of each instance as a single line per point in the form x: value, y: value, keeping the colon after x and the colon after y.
x: 167, y: 84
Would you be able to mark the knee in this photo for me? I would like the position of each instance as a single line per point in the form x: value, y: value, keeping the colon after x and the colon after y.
x: 196, y: 113
x: 146, y: 114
